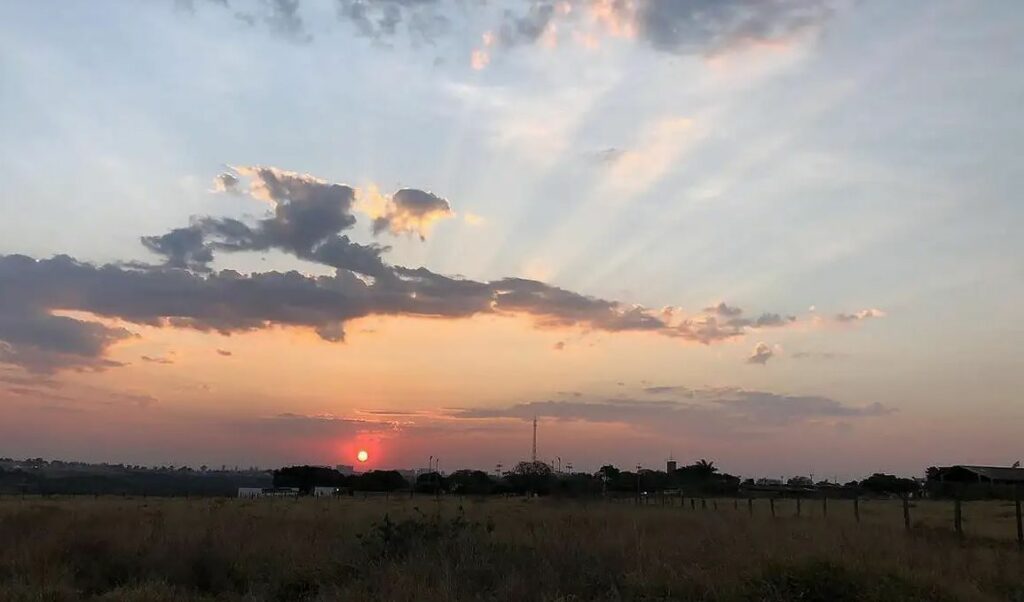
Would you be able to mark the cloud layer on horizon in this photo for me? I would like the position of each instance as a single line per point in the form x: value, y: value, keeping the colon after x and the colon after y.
x: 675, y: 409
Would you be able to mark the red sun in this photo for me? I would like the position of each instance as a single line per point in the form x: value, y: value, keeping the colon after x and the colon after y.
x: 362, y: 456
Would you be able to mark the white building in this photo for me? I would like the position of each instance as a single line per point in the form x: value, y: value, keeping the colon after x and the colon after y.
x: 325, y: 491
x: 250, y: 492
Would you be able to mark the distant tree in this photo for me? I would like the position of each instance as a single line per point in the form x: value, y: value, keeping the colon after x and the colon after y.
x: 608, y: 473
x: 430, y: 482
x: 799, y: 482
x: 932, y: 473
x: 471, y: 482
x: 705, y: 468
x: 531, y: 477
x: 889, y: 484
x: 380, y: 480
x: 305, y: 478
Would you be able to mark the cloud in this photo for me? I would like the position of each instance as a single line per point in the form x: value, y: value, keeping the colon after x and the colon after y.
x: 157, y: 360
x: 761, y: 354
x: 711, y: 409
x: 224, y: 352
x: 410, y: 211
x: 817, y: 355
x: 307, y: 218
x: 864, y: 314
x: 422, y: 20
x: 674, y: 26
x: 559, y: 346
x: 723, y: 310
x: 41, y: 342
x: 680, y: 27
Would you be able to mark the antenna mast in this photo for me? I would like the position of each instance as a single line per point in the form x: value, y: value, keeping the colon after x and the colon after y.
x: 534, y: 456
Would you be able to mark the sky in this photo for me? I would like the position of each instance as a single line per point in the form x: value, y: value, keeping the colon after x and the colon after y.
x: 782, y: 234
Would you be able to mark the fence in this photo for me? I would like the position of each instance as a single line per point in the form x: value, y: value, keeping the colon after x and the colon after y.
x: 994, y: 519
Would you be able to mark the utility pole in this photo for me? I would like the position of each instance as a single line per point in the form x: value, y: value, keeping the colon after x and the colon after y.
x: 533, y: 456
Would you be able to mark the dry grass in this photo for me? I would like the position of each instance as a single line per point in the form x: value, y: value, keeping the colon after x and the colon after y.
x: 496, y: 549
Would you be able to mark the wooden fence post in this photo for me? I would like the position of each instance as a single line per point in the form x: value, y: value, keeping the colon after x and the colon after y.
x: 906, y: 513
x: 856, y: 508
x: 750, y: 505
x: 715, y: 502
x: 1020, y: 524
x: 824, y: 506
x: 958, y: 517
x: 771, y: 501
x: 693, y: 503
x: 735, y: 504
x: 703, y: 503
x: 798, y: 506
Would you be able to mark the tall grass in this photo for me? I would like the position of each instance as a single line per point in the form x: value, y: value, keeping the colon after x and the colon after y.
x: 494, y: 549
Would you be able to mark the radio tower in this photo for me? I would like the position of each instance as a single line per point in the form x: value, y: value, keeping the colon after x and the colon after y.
x: 534, y: 456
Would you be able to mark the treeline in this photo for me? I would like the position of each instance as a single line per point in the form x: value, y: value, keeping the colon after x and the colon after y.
x: 526, y: 477
x: 699, y: 478
x: 136, y: 481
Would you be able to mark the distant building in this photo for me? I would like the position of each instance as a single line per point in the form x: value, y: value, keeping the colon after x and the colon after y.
x: 345, y: 469
x: 324, y: 491
x: 989, y: 475
x: 254, y: 492
x: 670, y: 466
x: 408, y: 475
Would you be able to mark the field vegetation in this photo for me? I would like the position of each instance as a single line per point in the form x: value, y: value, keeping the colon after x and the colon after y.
x: 449, y: 548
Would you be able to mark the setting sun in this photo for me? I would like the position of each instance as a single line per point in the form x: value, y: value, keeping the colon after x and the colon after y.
x: 362, y: 456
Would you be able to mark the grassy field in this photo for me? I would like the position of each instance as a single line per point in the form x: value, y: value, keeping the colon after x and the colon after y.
x: 499, y: 549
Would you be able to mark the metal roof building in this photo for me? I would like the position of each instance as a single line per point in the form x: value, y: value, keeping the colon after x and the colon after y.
x: 996, y: 475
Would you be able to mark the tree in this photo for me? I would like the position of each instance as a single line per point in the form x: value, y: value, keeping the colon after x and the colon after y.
x: 705, y: 468
x: 608, y: 473
x: 889, y: 484
x: 430, y: 482
x: 933, y: 473
x: 471, y: 482
x: 305, y: 478
x: 381, y: 480
x: 530, y: 477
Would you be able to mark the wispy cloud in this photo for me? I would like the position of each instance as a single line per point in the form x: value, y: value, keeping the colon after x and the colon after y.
x: 683, y: 409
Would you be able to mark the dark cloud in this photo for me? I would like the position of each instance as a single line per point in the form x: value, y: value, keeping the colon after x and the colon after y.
x: 307, y: 218
x: 761, y: 354
x: 224, y: 352
x: 864, y: 314
x: 422, y: 20
x: 714, y: 26
x: 770, y: 408
x: 724, y: 310
x: 659, y: 390
x: 157, y: 360
x: 675, y: 26
x: 283, y: 18
x: 41, y: 342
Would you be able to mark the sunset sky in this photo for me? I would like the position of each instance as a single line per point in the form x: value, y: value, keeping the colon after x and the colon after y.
x: 784, y: 235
